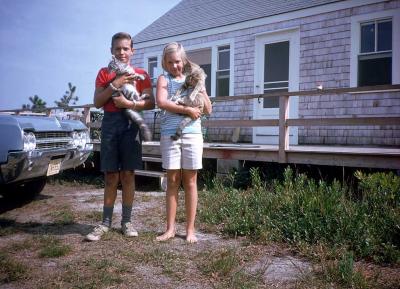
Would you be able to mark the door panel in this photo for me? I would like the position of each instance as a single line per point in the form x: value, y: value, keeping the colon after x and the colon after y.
x: 277, y: 58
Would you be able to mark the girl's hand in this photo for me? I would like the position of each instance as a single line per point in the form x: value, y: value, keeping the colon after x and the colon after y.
x: 193, y: 112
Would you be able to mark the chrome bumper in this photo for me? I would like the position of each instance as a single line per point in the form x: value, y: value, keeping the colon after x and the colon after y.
x: 27, y: 165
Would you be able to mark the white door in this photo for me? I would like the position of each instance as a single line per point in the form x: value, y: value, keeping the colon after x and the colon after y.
x: 276, y: 69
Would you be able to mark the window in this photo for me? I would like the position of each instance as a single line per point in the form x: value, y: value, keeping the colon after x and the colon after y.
x: 216, y: 59
x: 203, y: 58
x: 375, y: 48
x: 375, y: 57
x: 276, y: 71
x: 152, y: 69
x: 223, y: 71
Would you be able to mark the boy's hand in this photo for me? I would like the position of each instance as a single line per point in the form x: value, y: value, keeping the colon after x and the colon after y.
x: 121, y: 102
x: 123, y: 79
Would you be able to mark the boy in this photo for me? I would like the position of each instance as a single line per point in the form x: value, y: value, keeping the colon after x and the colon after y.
x: 120, y: 150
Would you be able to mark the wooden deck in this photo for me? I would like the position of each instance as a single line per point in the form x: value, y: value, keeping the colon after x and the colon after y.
x: 346, y: 156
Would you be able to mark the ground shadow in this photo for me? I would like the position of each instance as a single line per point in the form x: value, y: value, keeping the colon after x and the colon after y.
x: 8, y: 203
x: 36, y: 228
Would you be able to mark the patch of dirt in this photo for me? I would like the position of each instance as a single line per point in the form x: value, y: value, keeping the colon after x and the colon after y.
x: 66, y: 213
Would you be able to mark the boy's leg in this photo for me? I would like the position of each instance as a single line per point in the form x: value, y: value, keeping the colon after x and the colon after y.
x: 110, y: 194
x: 173, y: 183
x: 128, y: 193
x: 190, y: 187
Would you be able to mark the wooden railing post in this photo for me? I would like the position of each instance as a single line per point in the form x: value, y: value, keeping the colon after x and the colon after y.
x: 86, y: 115
x: 283, y: 128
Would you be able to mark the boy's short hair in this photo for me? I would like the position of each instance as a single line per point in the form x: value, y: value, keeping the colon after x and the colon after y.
x: 121, y: 35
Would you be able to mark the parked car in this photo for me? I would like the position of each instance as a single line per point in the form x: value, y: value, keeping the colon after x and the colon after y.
x: 34, y: 147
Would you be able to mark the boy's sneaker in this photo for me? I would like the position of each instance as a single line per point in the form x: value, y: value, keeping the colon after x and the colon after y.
x: 97, y: 232
x: 128, y: 230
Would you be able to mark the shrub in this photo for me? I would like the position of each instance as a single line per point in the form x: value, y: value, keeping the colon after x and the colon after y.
x: 298, y: 210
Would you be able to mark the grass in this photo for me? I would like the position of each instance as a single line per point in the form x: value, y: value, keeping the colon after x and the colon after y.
x: 361, y: 224
x: 51, y: 247
x: 225, y: 269
x: 63, y: 216
x: 11, y: 270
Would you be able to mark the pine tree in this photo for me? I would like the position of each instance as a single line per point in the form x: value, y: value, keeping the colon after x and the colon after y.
x: 38, y: 104
x: 67, y: 98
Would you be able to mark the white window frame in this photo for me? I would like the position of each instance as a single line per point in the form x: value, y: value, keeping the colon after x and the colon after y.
x: 214, y: 61
x: 356, y: 21
x: 223, y: 70
x: 213, y: 45
x: 147, y: 56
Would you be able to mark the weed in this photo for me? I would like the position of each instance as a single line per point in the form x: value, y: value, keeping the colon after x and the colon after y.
x: 94, y: 216
x: 63, y: 216
x: 52, y: 247
x: 226, y: 268
x: 300, y: 210
x: 11, y: 270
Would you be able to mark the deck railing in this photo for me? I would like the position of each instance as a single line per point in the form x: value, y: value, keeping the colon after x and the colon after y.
x: 283, y: 122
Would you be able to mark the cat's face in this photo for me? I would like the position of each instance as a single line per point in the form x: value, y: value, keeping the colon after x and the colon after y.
x: 194, y: 78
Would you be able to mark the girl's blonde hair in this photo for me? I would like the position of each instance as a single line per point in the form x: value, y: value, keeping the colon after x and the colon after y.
x: 175, y: 47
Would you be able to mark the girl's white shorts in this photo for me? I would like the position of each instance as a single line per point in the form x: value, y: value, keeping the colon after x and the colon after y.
x: 184, y: 153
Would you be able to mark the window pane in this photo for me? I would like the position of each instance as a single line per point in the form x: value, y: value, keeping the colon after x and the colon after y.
x: 367, y: 37
x: 385, y: 36
x: 223, y: 59
x: 273, y: 101
x: 207, y: 70
x: 152, y: 69
x: 200, y: 57
x: 375, y: 70
x: 276, y: 66
x: 222, y: 88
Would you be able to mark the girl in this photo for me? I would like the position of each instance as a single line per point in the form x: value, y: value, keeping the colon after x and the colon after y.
x: 183, y: 157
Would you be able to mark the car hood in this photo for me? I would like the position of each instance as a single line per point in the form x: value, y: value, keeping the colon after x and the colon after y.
x: 45, y: 123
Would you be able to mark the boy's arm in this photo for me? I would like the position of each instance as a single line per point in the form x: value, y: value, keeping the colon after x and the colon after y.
x: 103, y: 94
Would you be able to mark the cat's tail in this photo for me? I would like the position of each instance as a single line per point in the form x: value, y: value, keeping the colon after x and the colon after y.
x: 135, y: 117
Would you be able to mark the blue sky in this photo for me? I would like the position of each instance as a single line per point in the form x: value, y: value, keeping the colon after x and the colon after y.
x: 47, y: 43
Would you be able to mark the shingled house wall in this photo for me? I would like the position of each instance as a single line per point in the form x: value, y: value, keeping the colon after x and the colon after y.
x: 325, y: 42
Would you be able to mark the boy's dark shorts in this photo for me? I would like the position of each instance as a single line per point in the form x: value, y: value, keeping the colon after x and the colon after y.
x: 121, y: 148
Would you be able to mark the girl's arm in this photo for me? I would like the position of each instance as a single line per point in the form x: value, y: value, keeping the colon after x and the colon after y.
x: 163, y: 102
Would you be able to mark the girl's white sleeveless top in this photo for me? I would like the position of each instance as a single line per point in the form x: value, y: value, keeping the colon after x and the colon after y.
x: 170, y: 121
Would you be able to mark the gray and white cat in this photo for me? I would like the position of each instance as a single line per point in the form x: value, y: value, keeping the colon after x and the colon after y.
x: 130, y: 92
x: 194, y: 83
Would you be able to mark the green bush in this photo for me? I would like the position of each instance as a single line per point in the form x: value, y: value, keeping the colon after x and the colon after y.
x: 299, y: 209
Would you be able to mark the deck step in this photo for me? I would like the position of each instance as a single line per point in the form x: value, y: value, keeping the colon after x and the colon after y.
x: 162, y: 177
x: 149, y: 173
x: 151, y: 159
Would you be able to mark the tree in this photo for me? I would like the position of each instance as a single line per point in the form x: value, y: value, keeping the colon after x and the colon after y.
x: 38, y: 104
x: 67, y: 98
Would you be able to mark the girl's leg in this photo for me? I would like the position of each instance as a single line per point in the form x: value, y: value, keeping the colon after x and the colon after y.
x: 173, y: 183
x: 190, y: 186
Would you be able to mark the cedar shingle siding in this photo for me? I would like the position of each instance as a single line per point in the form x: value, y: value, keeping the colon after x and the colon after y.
x: 325, y: 48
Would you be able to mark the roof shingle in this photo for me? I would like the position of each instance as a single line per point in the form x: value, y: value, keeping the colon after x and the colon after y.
x: 197, y: 15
